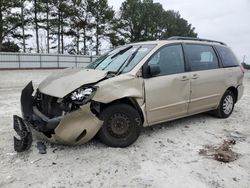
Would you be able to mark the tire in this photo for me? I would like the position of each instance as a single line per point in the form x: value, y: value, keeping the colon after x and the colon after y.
x: 121, y: 125
x: 226, y: 105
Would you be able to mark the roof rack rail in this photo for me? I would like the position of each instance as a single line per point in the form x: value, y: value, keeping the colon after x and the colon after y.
x: 196, y: 39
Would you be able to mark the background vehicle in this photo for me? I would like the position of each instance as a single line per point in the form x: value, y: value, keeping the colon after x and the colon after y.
x: 132, y: 86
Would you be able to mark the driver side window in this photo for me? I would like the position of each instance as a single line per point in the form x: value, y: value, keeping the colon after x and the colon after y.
x: 170, y: 60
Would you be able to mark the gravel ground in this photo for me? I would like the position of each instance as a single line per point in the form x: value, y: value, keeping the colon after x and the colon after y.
x: 164, y: 156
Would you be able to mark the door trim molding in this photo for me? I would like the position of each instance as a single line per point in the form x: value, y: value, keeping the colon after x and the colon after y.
x: 202, y: 98
x: 167, y: 106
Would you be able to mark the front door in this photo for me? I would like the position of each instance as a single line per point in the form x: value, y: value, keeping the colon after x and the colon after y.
x: 167, y: 94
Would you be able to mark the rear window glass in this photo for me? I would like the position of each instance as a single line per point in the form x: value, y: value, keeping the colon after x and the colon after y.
x: 201, y: 57
x: 227, y: 57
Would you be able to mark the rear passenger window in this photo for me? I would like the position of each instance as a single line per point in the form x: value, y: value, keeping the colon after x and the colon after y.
x: 170, y: 60
x: 201, y: 57
x: 227, y: 57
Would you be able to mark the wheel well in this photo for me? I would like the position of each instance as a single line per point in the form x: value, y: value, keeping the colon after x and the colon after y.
x: 127, y: 100
x: 235, y: 92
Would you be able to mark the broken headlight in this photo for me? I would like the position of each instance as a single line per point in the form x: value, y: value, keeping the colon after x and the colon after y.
x: 82, y: 95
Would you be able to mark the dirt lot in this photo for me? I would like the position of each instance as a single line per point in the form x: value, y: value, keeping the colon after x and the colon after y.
x: 164, y: 156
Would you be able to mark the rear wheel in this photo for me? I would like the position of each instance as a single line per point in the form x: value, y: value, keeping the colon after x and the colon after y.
x: 121, y: 127
x: 226, y: 105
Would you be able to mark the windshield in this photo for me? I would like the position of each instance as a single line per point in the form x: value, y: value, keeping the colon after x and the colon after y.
x: 122, y: 59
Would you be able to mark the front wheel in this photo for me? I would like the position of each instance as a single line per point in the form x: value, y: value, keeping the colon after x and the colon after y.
x: 226, y: 105
x: 121, y: 127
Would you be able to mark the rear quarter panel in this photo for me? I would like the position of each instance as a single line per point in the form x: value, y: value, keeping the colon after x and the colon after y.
x: 234, y: 78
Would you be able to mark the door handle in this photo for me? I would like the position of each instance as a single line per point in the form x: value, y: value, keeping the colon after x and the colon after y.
x: 184, y: 78
x: 195, y: 76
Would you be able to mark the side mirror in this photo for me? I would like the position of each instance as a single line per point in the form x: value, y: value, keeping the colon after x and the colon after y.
x: 153, y: 70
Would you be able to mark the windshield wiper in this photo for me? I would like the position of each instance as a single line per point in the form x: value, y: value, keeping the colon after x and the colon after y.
x: 93, y: 65
x: 105, y: 56
x: 121, y: 51
x: 118, y: 53
x: 122, y: 67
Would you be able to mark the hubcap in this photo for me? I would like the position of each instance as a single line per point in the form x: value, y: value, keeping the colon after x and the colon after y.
x: 228, y: 104
x: 118, y: 125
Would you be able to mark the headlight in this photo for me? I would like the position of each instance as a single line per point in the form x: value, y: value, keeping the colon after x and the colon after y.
x: 82, y: 95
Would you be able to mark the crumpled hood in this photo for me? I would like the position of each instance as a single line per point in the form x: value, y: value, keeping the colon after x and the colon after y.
x: 66, y: 81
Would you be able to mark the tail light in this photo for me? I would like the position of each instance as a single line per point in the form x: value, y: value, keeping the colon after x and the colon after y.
x: 242, y: 69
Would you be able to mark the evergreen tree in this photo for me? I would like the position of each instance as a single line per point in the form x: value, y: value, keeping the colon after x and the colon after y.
x: 131, y: 20
x: 174, y: 25
x: 60, y: 22
x: 151, y: 14
x: 85, y: 21
x: 81, y: 24
x: 103, y: 16
x: 23, y: 25
x: 9, y: 20
x: 146, y: 20
x: 45, y: 9
x: 10, y: 46
x: 25, y: 22
x: 36, y: 11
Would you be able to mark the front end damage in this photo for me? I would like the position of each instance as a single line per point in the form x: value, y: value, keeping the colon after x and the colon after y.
x: 61, y: 120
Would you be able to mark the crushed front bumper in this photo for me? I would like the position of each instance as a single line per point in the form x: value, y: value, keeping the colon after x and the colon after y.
x: 74, y: 128
x: 32, y: 115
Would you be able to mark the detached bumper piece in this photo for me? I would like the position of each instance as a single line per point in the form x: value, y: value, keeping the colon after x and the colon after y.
x: 24, y: 132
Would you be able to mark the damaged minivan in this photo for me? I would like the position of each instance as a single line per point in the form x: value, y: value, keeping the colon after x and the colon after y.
x: 131, y: 87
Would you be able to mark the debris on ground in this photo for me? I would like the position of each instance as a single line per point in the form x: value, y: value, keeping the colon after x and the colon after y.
x: 222, y: 153
x: 24, y: 140
x: 170, y: 141
x: 32, y: 162
x: 11, y: 154
x: 238, y: 136
x: 41, y: 147
x: 236, y: 179
x: 54, y: 150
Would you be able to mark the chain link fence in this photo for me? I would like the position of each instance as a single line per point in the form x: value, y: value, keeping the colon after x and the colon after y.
x: 33, y: 61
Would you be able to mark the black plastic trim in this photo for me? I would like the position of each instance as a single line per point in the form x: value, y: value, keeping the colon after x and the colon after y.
x: 27, y: 101
x: 25, y: 141
x: 195, y: 39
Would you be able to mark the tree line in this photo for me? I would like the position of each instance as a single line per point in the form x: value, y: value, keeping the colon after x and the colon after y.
x: 79, y: 26
x: 245, y: 66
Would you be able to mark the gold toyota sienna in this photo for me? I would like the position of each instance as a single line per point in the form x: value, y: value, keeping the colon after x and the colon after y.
x: 131, y: 87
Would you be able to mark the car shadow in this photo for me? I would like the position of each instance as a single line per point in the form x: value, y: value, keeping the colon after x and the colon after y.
x: 185, y: 122
x: 179, y: 123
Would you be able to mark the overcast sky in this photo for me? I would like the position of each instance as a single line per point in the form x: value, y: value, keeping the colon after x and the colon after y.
x: 224, y: 20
